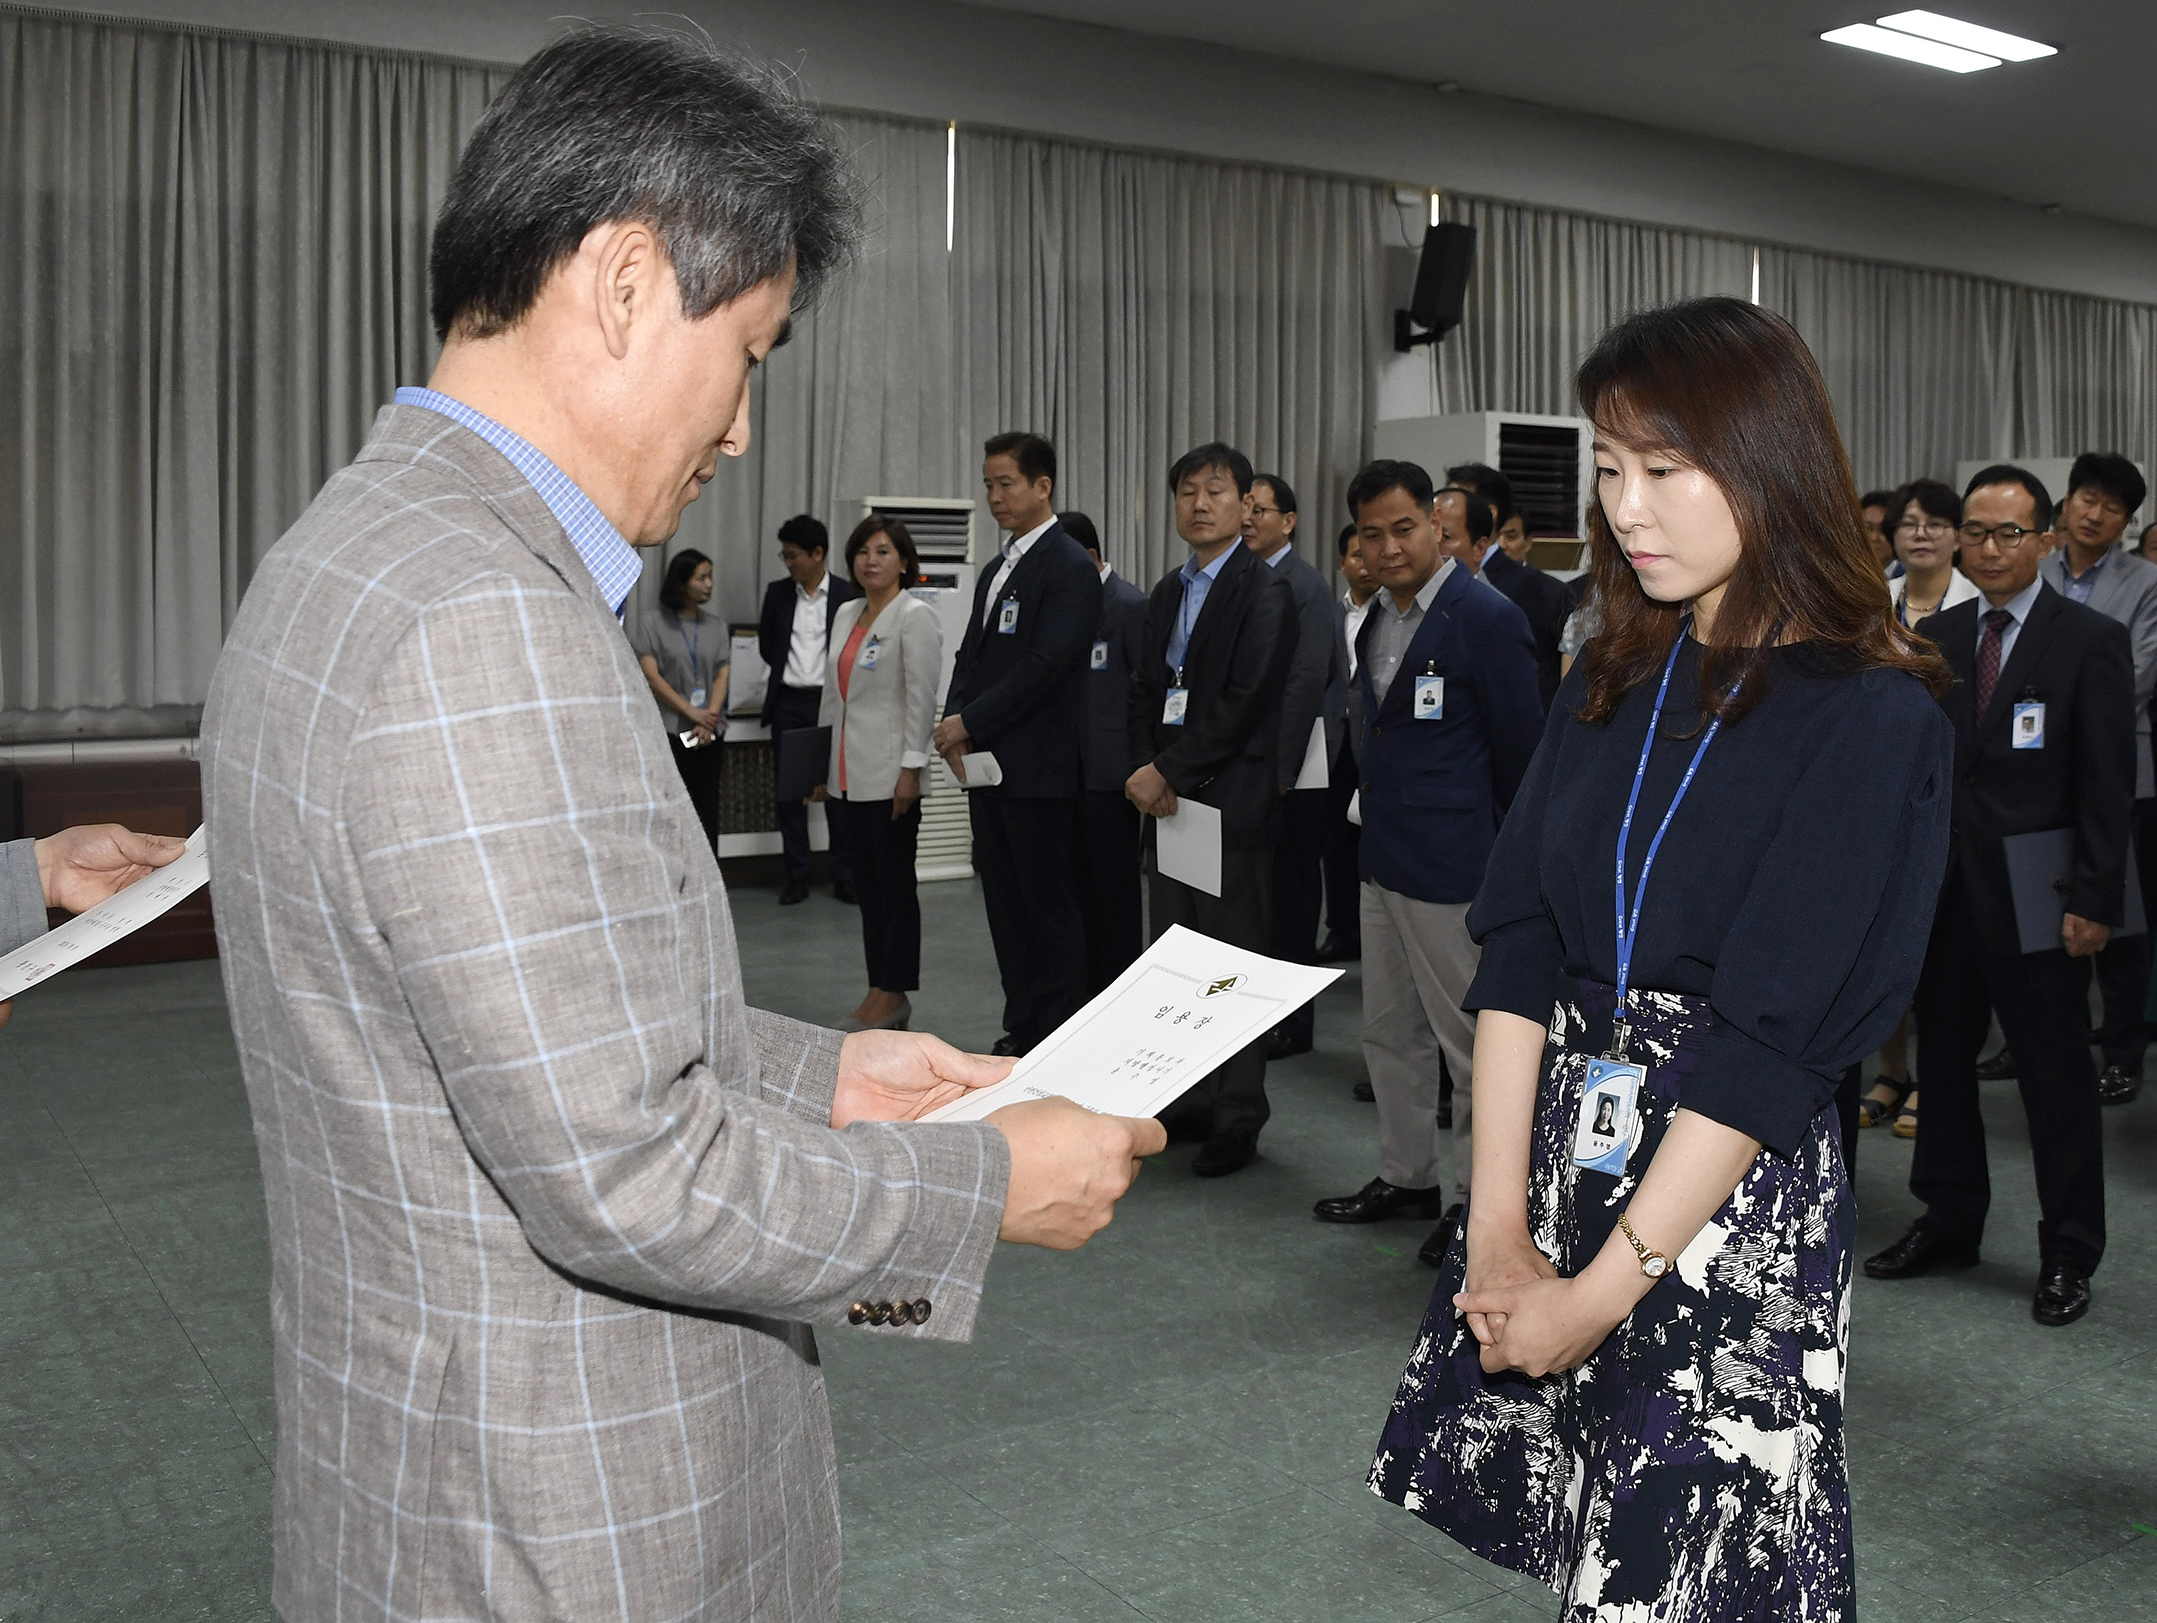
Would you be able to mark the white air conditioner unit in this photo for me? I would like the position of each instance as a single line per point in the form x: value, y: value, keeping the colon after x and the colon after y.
x: 942, y: 526
x: 1550, y: 461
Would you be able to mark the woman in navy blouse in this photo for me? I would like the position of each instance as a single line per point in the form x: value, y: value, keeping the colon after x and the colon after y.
x: 1711, y: 896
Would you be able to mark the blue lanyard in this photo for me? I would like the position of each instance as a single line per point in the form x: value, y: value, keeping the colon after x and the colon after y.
x: 1629, y: 931
x: 696, y: 665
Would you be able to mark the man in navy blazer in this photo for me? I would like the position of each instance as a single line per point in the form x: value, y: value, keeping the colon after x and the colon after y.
x: 2044, y: 714
x: 1450, y: 714
x: 1018, y: 693
x: 1108, y: 831
x: 793, y: 634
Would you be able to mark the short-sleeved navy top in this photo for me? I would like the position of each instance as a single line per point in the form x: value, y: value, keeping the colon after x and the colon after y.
x: 1794, y: 891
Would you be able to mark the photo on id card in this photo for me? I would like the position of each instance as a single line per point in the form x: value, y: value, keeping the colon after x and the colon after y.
x: 1603, y: 1136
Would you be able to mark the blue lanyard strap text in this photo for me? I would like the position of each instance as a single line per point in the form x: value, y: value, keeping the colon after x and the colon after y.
x: 1629, y: 928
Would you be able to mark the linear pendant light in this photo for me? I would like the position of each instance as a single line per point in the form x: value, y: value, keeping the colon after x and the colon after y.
x: 1910, y: 48
x: 1969, y: 36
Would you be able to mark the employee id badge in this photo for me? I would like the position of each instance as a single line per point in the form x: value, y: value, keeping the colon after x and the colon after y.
x: 869, y: 654
x: 696, y: 698
x: 1173, y: 707
x: 1604, y: 1135
x: 2026, y: 731
x: 1099, y: 659
x: 1007, y: 617
x: 1430, y: 698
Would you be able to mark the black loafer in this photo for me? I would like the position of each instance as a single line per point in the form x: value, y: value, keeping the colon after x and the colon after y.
x: 1998, y: 1068
x: 2063, y: 1293
x: 2119, y: 1085
x: 794, y: 890
x: 1281, y: 1043
x: 1378, y: 1200
x: 1919, y: 1252
x: 1365, y: 1093
x: 1006, y: 1047
x: 1218, y: 1157
x: 842, y: 890
x: 1432, y: 1254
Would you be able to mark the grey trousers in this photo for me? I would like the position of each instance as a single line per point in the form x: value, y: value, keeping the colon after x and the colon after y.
x: 1417, y: 963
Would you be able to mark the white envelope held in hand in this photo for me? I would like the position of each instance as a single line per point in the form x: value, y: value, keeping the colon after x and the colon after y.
x: 979, y: 771
x: 1187, y: 846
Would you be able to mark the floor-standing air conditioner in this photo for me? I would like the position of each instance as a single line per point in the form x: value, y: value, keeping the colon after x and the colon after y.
x: 1549, y: 460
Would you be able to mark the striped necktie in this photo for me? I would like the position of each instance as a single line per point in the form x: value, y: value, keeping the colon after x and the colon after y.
x: 1988, y: 658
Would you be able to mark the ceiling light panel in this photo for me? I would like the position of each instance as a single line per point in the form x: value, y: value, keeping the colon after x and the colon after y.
x: 1953, y: 31
x: 1865, y: 37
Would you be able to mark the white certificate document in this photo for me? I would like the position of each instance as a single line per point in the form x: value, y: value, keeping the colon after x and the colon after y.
x: 1187, y: 846
x: 983, y: 770
x: 1186, y: 1005
x: 1314, y: 773
x: 150, y: 897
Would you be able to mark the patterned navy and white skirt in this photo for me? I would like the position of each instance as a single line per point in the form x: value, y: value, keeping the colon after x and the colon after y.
x: 1692, y: 1470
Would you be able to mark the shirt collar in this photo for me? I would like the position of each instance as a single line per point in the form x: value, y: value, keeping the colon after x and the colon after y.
x: 1425, y: 594
x: 2019, y: 605
x: 1015, y: 548
x: 1212, y: 571
x: 2090, y: 574
x: 1275, y: 559
x: 823, y: 585
x: 613, y: 562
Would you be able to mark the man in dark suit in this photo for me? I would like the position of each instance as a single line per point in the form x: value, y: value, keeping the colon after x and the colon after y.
x: 1018, y: 694
x: 1109, y: 844
x: 1481, y: 515
x: 792, y: 634
x: 1445, y: 671
x: 2044, y: 740
x: 1205, y: 724
x: 1313, y: 703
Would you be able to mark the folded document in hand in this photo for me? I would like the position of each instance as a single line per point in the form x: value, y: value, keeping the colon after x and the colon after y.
x: 150, y: 897
x: 1186, y: 1005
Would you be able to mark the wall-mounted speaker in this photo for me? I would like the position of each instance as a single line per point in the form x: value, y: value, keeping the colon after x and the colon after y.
x: 1441, y: 287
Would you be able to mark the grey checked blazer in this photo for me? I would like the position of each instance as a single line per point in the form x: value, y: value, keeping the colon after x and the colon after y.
x: 550, y: 1211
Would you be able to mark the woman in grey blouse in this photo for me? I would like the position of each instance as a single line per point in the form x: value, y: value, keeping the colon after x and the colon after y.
x: 684, y: 654
x: 882, y: 662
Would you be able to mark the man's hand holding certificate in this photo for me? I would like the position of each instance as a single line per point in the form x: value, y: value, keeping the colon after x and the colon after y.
x: 1186, y: 1005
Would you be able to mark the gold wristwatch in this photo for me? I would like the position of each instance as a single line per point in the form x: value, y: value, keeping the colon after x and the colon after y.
x: 1652, y: 1263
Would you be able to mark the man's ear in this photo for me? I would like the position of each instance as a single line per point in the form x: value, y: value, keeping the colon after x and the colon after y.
x: 629, y: 277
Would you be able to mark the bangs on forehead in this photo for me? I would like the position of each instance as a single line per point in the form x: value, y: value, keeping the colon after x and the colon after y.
x: 1624, y: 420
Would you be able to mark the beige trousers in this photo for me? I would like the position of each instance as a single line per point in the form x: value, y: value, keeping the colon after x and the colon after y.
x: 1417, y: 964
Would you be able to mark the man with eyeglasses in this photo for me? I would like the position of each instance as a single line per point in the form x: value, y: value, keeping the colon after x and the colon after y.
x: 2093, y: 567
x: 2044, y: 740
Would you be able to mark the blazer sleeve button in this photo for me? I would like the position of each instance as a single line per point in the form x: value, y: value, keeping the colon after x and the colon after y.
x: 880, y: 1313
x: 902, y: 1312
x: 921, y: 1311
x: 858, y: 1313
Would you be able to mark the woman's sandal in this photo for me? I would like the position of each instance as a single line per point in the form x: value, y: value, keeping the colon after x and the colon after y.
x: 1906, y: 1118
x: 1872, y: 1111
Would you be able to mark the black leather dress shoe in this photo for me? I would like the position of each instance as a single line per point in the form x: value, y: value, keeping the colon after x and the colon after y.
x: 2119, y: 1085
x: 1998, y: 1068
x: 1378, y: 1200
x: 1432, y: 1254
x: 1365, y: 1092
x: 1339, y: 949
x: 794, y: 890
x: 2063, y: 1293
x: 1281, y: 1043
x: 842, y: 890
x: 1231, y: 1152
x: 1006, y: 1047
x: 1919, y: 1252
x: 1186, y: 1126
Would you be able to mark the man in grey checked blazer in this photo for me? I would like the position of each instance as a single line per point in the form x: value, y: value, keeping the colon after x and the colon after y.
x: 551, y: 1211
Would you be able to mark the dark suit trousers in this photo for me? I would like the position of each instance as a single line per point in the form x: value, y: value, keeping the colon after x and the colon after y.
x: 2042, y: 999
x: 1029, y: 889
x: 1233, y: 1096
x: 791, y: 708
x: 2123, y: 967
x: 1299, y: 852
x: 882, y: 855
x: 701, y: 769
x: 1343, y: 858
x: 1109, y: 884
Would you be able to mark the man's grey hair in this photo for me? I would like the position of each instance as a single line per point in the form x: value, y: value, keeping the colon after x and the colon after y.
x: 715, y: 152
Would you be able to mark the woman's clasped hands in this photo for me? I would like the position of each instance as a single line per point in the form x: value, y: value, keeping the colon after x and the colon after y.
x: 1524, y: 1315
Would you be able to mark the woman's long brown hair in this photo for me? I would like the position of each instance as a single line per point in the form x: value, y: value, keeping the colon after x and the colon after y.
x: 1730, y: 389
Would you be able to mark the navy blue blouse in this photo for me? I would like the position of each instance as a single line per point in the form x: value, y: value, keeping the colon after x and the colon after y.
x: 1794, y: 891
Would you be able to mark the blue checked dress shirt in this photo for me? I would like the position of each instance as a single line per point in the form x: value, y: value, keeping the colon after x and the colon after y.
x: 1197, y: 585
x: 613, y: 562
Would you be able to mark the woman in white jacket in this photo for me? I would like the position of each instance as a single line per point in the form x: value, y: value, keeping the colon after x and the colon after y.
x: 1922, y: 518
x: 884, y: 656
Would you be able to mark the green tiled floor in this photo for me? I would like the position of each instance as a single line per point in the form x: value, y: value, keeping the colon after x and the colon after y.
x: 1171, y: 1424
